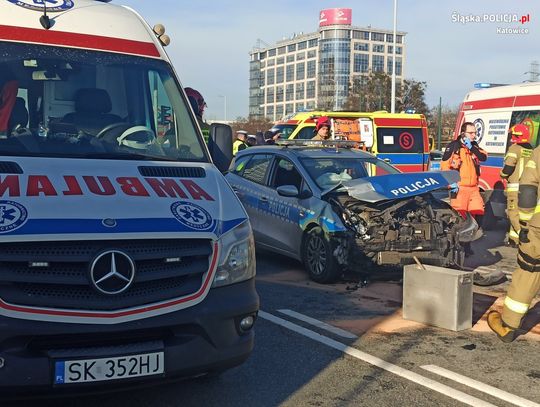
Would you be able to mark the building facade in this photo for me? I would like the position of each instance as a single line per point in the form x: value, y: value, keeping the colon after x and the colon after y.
x: 316, y: 70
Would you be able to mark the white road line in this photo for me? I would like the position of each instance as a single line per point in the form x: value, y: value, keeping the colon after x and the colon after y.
x: 318, y: 324
x: 485, y: 388
x: 366, y: 357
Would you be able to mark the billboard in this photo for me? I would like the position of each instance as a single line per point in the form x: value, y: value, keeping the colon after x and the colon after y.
x: 333, y: 16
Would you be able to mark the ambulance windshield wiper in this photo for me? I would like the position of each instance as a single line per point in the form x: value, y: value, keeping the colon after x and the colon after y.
x: 126, y: 156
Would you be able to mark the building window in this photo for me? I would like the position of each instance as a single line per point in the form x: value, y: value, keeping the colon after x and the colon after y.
x: 270, y: 76
x: 291, y: 47
x: 311, y: 69
x: 279, y: 110
x: 310, y: 90
x: 377, y: 37
x: 311, y: 53
x: 300, y: 94
x: 377, y: 63
x: 290, y: 73
x: 389, y: 37
x: 299, y: 107
x: 300, y: 56
x: 398, y: 66
x: 300, y: 71
x: 302, y: 45
x: 279, y: 94
x: 262, y: 55
x: 313, y: 43
x: 361, y: 63
x: 289, y: 108
x: 310, y: 105
x: 378, y: 48
x: 279, y: 74
x: 399, y: 39
x: 360, y: 35
x: 280, y: 61
x: 270, y: 112
x: 281, y: 50
x: 290, y: 58
x: 272, y: 52
x: 289, y: 92
x: 270, y: 95
x: 271, y: 62
x: 361, y: 46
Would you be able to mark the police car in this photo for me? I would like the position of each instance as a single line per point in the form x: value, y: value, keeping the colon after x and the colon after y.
x: 336, y: 208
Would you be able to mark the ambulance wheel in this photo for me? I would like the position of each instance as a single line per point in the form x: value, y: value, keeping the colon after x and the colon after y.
x: 318, y: 258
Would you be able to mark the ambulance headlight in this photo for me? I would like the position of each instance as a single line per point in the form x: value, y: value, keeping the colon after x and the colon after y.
x: 237, y: 257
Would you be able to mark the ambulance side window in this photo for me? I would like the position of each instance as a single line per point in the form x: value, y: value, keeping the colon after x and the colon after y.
x: 400, y: 140
x: 531, y: 118
x: 306, y: 133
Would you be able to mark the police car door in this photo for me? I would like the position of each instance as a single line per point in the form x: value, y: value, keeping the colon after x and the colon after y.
x: 280, y: 221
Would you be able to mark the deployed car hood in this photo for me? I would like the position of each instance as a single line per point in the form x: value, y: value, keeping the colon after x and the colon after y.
x: 398, y: 186
x: 52, y: 198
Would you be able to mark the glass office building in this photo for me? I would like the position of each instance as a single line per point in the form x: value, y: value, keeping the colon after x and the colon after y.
x: 315, y: 70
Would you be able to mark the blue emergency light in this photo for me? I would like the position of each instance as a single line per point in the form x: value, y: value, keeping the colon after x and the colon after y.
x: 484, y: 85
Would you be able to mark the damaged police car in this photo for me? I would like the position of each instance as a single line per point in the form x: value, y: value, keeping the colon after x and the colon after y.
x: 338, y: 209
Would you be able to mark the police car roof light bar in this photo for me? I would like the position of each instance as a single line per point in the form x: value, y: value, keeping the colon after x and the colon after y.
x: 320, y: 143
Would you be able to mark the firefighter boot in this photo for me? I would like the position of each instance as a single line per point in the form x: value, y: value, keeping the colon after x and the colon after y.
x: 503, y: 331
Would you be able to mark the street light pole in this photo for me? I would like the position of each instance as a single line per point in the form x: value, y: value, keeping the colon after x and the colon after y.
x: 224, y: 107
x: 393, y: 97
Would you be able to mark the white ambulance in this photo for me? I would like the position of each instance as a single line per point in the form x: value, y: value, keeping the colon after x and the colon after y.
x: 493, y: 111
x: 124, y: 254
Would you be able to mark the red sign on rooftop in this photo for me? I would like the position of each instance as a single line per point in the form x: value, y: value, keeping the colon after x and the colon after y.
x: 332, y: 16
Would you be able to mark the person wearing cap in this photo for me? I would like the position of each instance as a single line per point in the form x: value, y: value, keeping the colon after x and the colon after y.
x: 240, y: 142
x: 514, y: 163
x: 322, y: 129
x: 251, y: 140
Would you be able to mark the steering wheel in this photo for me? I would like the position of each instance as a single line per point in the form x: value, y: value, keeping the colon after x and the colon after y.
x: 111, y: 126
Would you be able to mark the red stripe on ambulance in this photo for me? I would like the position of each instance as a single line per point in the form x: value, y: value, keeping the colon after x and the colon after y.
x: 70, y: 39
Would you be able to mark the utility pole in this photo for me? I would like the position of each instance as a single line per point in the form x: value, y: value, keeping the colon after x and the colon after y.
x: 439, y: 129
x: 393, y: 96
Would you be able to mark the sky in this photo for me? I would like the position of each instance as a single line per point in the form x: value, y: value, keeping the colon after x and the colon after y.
x: 211, y: 41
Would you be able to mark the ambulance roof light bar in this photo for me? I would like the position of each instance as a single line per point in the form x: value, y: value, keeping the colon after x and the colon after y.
x: 485, y: 85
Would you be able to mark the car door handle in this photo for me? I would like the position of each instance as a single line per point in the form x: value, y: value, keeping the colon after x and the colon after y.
x: 387, y: 160
x: 264, y: 199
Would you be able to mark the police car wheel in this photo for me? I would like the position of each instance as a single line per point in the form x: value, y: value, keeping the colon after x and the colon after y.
x: 318, y: 258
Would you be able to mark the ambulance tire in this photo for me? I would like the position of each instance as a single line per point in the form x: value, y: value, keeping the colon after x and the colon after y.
x: 318, y: 258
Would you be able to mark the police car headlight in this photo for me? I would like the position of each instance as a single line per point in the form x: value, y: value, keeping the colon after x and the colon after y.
x: 237, y: 257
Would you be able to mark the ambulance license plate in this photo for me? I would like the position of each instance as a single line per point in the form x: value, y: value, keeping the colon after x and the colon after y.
x: 96, y: 370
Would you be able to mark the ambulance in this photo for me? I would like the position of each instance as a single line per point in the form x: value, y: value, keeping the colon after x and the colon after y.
x: 400, y: 139
x: 493, y: 111
x: 125, y: 257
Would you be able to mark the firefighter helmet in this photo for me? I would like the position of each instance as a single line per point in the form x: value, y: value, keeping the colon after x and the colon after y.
x: 196, y: 100
x: 520, y: 134
x: 321, y: 122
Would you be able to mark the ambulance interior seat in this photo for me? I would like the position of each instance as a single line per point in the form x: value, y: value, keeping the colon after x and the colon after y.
x: 19, y: 116
x: 92, y: 111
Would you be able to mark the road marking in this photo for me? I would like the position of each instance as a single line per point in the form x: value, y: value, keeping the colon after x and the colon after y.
x: 372, y: 360
x: 485, y: 388
x: 318, y: 324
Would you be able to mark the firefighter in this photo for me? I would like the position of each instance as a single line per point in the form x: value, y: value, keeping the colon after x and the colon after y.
x: 526, y: 279
x: 322, y: 129
x: 464, y: 155
x: 240, y: 142
x: 514, y: 162
x: 198, y: 105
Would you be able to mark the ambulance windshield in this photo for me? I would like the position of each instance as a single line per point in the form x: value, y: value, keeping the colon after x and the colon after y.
x: 62, y: 102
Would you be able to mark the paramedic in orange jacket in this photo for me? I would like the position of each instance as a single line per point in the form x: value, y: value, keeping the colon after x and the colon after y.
x: 464, y: 155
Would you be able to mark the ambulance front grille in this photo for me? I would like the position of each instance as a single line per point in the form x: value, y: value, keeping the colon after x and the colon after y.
x: 165, y: 269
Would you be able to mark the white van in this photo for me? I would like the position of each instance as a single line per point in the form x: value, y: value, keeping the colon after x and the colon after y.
x: 124, y: 254
x: 493, y: 111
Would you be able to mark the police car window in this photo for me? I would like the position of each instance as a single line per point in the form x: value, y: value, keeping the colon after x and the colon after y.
x: 240, y: 164
x: 400, y: 140
x: 306, y: 133
x: 256, y: 168
x: 530, y: 118
x: 285, y: 173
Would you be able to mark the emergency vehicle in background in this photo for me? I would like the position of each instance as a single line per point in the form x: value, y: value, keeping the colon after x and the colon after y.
x: 400, y: 139
x: 493, y: 111
x: 125, y: 257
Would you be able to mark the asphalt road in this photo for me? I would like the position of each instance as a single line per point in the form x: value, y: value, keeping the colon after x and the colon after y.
x: 374, y: 357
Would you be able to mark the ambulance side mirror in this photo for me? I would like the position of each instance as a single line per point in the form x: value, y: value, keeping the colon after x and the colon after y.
x: 220, y: 145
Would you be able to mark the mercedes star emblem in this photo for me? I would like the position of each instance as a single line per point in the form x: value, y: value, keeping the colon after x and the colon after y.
x: 112, y: 272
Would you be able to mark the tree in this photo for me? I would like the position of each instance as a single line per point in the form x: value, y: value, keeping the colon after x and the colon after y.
x: 251, y: 125
x: 448, y: 122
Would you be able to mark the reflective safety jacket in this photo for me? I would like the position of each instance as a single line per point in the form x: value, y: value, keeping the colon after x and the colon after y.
x: 467, y: 162
x: 529, y: 184
x: 514, y: 163
x: 237, y: 146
